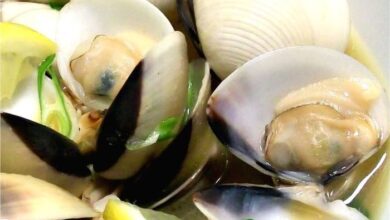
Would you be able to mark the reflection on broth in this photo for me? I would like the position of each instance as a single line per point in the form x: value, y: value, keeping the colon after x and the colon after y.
x: 358, y: 49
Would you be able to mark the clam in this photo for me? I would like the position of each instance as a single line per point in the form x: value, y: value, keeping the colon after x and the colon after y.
x: 184, y: 160
x: 233, y: 32
x: 303, y: 114
x: 129, y: 134
x: 45, y: 154
x: 122, y: 32
x: 264, y: 202
x: 124, y: 58
x: 25, y: 197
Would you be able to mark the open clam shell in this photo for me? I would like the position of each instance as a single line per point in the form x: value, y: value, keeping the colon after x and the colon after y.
x: 155, y: 91
x: 244, y: 104
x: 145, y: 56
x: 256, y: 202
x: 233, y: 32
x: 139, y: 21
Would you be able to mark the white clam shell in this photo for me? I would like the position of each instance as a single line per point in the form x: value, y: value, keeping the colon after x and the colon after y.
x: 13, y: 147
x: 246, y: 201
x: 164, y: 92
x: 167, y: 66
x: 245, y: 101
x: 233, y: 32
x: 82, y: 20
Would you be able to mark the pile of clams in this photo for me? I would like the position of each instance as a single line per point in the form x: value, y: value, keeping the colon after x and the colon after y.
x: 123, y: 107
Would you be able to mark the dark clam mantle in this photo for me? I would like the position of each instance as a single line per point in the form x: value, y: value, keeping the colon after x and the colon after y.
x: 119, y: 122
x: 56, y: 150
x: 150, y: 182
x: 229, y: 137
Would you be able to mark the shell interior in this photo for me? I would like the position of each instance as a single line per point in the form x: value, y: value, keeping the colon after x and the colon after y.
x: 244, y: 103
x: 159, y: 84
x: 185, y: 157
x: 128, y: 19
x: 234, y: 201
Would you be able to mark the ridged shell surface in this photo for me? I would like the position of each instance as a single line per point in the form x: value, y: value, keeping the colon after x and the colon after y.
x: 233, y: 32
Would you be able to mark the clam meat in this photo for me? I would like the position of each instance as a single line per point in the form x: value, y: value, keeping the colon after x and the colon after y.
x: 318, y: 130
x: 100, y: 102
x: 98, y: 57
x: 126, y: 62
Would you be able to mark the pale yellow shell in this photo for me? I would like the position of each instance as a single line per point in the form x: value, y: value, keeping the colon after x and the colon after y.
x: 233, y: 32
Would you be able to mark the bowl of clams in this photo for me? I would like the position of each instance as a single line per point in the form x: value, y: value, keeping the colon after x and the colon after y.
x: 195, y: 109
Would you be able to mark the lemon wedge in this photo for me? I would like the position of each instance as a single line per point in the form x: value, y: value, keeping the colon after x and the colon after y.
x: 21, y: 51
x: 118, y: 210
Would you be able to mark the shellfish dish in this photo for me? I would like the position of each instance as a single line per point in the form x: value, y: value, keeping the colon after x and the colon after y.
x: 194, y: 109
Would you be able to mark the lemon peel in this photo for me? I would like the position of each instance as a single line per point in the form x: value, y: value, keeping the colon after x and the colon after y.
x: 118, y: 210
